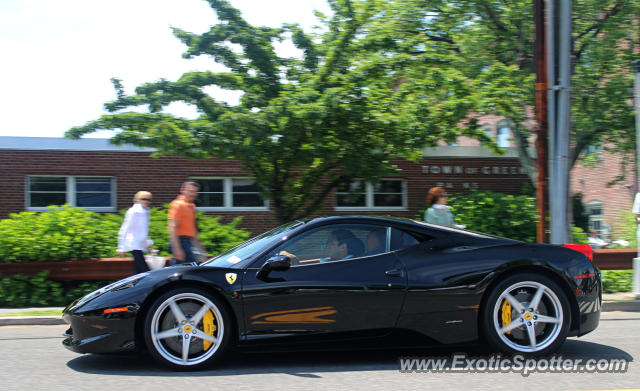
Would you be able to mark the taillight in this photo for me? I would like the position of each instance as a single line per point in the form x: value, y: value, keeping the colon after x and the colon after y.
x: 582, y: 248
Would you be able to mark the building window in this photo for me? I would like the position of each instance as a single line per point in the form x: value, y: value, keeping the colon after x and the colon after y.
x: 592, y: 155
x: 388, y: 194
x: 504, y: 133
x: 229, y: 193
x: 595, y: 211
x: 91, y: 193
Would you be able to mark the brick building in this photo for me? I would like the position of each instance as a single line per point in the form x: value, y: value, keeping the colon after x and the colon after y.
x: 96, y: 175
x: 604, y: 202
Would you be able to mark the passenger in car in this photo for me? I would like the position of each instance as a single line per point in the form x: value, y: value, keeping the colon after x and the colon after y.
x: 376, y: 242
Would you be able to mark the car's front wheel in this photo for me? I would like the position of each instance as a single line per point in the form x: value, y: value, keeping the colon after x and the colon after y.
x: 187, y: 328
x: 526, y: 314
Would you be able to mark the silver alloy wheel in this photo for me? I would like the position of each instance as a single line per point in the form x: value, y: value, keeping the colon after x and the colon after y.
x: 185, y: 326
x: 536, y: 313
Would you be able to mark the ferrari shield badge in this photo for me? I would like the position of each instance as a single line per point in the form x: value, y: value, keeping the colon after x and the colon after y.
x: 231, y: 278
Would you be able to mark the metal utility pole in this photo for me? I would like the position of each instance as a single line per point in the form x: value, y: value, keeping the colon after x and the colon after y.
x: 542, y: 85
x: 559, y: 73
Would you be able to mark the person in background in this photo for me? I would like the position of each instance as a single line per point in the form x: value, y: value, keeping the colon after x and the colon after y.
x: 595, y: 241
x: 438, y: 212
x: 133, y: 236
x: 183, y: 233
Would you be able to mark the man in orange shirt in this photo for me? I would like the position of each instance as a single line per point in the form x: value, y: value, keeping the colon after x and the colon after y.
x: 183, y: 232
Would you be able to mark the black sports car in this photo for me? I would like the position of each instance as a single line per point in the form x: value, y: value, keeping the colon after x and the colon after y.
x: 347, y: 280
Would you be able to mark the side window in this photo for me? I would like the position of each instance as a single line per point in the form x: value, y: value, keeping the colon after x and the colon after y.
x: 336, y: 243
x: 401, y: 239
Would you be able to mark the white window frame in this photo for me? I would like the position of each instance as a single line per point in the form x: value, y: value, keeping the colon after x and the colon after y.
x: 70, y: 194
x: 369, y: 198
x: 593, y: 218
x: 227, y: 197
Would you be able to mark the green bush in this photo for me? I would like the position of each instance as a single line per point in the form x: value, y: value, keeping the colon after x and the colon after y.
x: 617, y: 280
x: 579, y: 236
x: 21, y: 291
x: 505, y: 215
x: 626, y: 228
x: 61, y: 233
x: 217, y: 237
x: 498, y: 214
x: 73, y: 233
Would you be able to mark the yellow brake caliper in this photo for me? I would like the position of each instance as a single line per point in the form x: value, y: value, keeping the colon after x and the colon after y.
x: 506, y: 314
x: 209, y: 326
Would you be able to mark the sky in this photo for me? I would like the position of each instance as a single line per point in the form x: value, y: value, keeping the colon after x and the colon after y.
x: 58, y: 56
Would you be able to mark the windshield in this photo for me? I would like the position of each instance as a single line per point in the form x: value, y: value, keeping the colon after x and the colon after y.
x: 236, y: 256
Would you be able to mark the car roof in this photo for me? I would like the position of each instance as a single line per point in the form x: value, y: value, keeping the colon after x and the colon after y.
x: 407, y: 223
x: 375, y: 219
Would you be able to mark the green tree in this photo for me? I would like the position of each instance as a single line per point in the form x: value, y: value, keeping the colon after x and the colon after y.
x: 495, y: 42
x: 356, y: 99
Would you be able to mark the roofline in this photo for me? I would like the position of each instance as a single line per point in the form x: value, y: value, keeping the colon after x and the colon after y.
x: 105, y: 145
x: 65, y: 144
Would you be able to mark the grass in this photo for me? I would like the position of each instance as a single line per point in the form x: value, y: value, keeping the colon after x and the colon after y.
x: 33, y: 313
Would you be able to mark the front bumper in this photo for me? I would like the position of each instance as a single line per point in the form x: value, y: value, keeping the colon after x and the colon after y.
x: 96, y: 332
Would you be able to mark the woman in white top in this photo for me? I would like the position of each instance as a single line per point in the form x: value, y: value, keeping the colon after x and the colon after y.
x: 134, y: 233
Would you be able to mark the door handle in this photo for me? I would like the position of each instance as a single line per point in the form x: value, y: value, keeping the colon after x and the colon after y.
x: 394, y: 272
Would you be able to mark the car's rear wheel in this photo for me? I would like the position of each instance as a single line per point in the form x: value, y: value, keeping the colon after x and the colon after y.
x: 187, y: 328
x: 526, y: 314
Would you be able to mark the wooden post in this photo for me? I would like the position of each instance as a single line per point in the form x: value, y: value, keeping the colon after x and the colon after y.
x: 542, y: 84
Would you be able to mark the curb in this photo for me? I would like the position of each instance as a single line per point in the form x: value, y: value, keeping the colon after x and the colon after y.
x: 30, y: 320
x: 623, y: 305
x: 607, y: 306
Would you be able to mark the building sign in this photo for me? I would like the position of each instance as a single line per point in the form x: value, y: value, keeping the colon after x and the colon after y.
x: 485, y: 170
x: 474, y: 177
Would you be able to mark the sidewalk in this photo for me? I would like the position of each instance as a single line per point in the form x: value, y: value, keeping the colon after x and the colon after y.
x: 623, y: 301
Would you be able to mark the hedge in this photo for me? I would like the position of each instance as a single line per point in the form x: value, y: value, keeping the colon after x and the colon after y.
x: 73, y: 233
x: 617, y: 280
x: 505, y: 215
x: 20, y: 291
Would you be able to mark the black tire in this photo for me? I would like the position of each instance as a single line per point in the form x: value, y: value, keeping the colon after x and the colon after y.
x: 179, y: 320
x: 513, y: 323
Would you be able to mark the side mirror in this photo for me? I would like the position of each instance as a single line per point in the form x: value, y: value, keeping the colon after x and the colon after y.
x: 278, y: 263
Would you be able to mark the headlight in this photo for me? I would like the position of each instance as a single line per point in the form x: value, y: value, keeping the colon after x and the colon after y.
x: 124, y: 283
x: 114, y: 286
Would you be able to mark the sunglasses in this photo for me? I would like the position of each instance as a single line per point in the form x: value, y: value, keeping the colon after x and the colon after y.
x: 145, y: 199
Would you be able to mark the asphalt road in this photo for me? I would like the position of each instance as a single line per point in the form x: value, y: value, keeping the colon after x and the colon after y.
x: 34, y: 359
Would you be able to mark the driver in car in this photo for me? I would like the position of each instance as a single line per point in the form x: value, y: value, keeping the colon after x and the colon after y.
x: 342, y: 244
